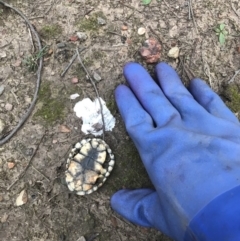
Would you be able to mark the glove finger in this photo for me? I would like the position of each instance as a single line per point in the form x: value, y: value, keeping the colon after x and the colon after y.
x: 136, y: 119
x: 177, y: 93
x: 140, y: 206
x: 206, y: 97
x: 149, y: 94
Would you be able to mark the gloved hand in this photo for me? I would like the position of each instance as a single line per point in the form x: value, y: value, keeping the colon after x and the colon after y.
x: 189, y: 142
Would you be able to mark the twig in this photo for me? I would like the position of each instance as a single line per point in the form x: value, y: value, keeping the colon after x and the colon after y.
x: 14, y: 95
x: 29, y: 162
x: 153, y: 31
x: 234, y: 9
x: 27, y: 114
x: 170, y: 9
x: 95, y: 88
x: 125, y: 5
x: 115, y: 33
x: 232, y: 79
x: 71, y: 62
x: 69, y: 65
x: 49, y: 8
x: 192, y: 15
x: 31, y: 37
x: 189, y: 10
x: 40, y: 173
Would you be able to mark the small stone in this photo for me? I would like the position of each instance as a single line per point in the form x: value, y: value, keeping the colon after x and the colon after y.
x: 124, y: 27
x: 96, y: 76
x: 2, y: 126
x: 1, y: 198
x: 61, y: 45
x: 3, y: 54
x: 63, y: 129
x: 2, y: 88
x: 28, y: 99
x: 22, y: 198
x: 174, y: 52
x: 54, y: 141
x: 4, y: 218
x: 141, y: 31
x: 101, y: 21
x: 11, y: 165
x: 81, y: 239
x: 82, y: 36
x: 74, y: 80
x: 8, y: 107
x: 17, y: 63
x: 50, y: 51
x: 74, y: 96
x: 238, y: 49
x: 73, y: 38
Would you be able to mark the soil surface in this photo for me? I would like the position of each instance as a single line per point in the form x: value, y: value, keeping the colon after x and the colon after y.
x: 34, y: 159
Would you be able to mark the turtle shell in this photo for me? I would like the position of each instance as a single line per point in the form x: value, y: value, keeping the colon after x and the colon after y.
x: 88, y: 166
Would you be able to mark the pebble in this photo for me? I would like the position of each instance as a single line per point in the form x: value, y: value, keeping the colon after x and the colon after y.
x: 54, y: 141
x: 22, y: 198
x: 2, y: 88
x: 2, y: 126
x: 4, y: 218
x: 8, y: 106
x: 141, y: 31
x: 81, y: 239
x: 82, y: 36
x: 3, y: 54
x: 174, y: 52
x: 124, y: 27
x: 74, y: 80
x: 63, y: 129
x: 11, y: 165
x: 96, y: 76
x: 101, y: 21
x: 61, y: 45
x: 74, y: 96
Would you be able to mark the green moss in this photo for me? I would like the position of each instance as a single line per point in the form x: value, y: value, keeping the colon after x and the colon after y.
x: 111, y: 105
x: 50, y: 31
x: 233, y: 96
x: 52, y: 109
x: 96, y: 55
x: 90, y: 24
x: 129, y: 171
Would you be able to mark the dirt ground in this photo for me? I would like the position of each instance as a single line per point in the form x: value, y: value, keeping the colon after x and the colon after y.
x: 34, y: 159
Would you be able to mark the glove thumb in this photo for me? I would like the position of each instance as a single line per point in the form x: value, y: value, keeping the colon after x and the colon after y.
x: 140, y: 206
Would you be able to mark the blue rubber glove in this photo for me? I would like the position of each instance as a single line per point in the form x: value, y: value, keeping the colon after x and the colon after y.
x: 189, y: 142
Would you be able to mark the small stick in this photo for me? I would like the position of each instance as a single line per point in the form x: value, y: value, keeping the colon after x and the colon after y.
x: 71, y: 62
x: 49, y: 8
x: 232, y: 79
x: 40, y: 173
x: 29, y: 162
x: 115, y: 33
x: 170, y: 9
x: 15, y: 97
x: 125, y: 5
x: 234, y: 10
x: 95, y: 88
x: 189, y: 10
x: 192, y: 14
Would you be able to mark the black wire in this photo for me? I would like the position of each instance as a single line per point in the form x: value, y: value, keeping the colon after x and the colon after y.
x: 27, y: 114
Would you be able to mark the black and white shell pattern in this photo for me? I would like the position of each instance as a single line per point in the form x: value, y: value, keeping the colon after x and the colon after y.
x: 88, y: 166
